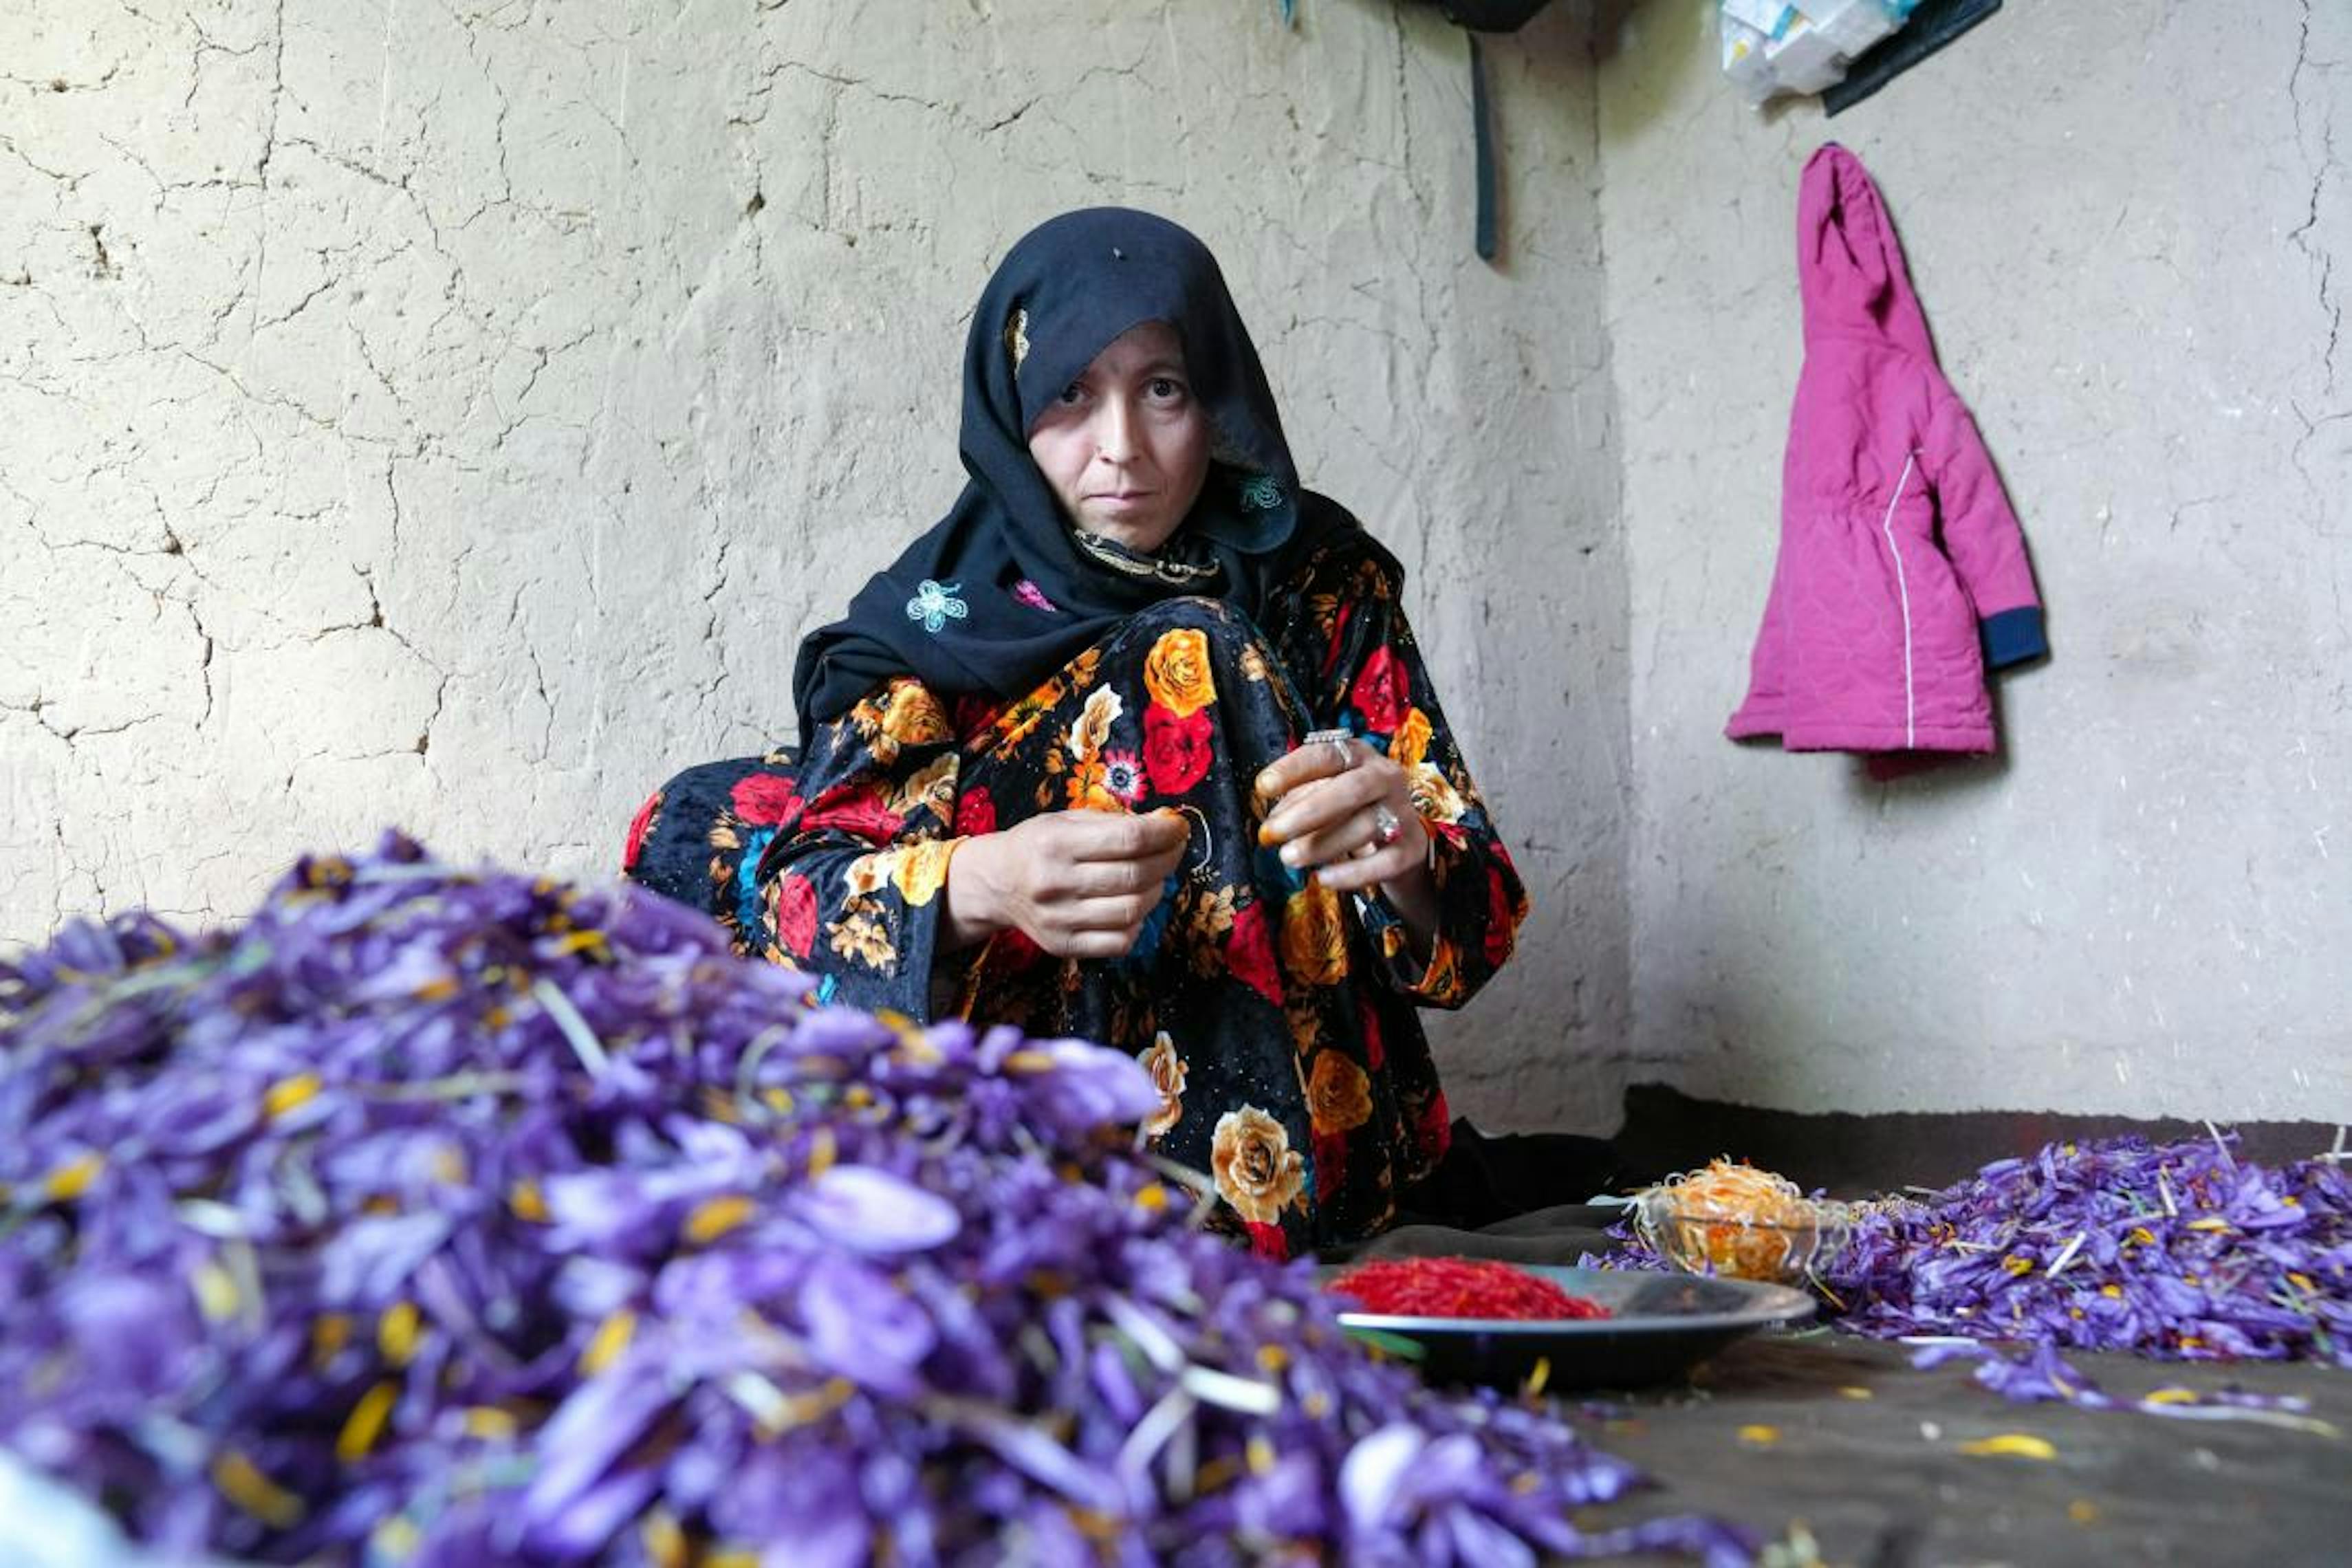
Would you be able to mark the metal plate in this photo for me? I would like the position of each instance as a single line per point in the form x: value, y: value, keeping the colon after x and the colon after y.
x: 1659, y: 1325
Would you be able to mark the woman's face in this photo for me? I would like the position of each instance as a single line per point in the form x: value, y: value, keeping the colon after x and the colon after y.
x: 1125, y: 447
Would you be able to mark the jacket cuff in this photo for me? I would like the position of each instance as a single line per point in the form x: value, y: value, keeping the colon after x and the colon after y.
x: 2012, y: 636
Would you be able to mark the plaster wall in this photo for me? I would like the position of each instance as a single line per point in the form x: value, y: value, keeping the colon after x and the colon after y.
x: 450, y: 413
x: 2131, y: 227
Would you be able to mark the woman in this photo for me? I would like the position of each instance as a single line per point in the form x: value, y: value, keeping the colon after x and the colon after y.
x: 1053, y: 771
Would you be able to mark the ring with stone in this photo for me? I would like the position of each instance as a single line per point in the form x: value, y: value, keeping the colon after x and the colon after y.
x: 1341, y: 743
x: 1387, y: 826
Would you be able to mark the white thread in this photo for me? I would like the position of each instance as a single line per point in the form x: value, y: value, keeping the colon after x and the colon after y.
x: 1903, y: 588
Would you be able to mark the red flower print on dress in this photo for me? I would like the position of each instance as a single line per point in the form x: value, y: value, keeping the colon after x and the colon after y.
x: 1330, y: 1163
x: 1249, y: 954
x: 640, y: 825
x: 1382, y: 692
x: 795, y: 914
x: 854, y: 808
x: 975, y: 814
x: 1176, y: 751
x: 760, y: 799
x: 1267, y: 1240
x: 1502, y: 930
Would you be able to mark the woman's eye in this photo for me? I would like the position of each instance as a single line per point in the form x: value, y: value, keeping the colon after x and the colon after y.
x: 1166, y: 388
x: 1071, y: 393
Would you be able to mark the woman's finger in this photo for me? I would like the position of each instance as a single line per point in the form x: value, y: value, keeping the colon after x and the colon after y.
x: 1356, y: 872
x: 1309, y: 760
x: 1327, y: 803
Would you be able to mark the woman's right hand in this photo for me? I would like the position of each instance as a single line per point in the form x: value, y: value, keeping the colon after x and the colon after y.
x: 1079, y: 884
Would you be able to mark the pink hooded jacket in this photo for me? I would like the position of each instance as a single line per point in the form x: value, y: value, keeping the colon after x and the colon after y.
x: 1902, y: 576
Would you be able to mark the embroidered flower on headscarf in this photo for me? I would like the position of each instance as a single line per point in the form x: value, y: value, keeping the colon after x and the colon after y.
x: 1261, y: 493
x: 1313, y: 949
x: 1167, y: 1070
x: 1017, y: 337
x: 1255, y: 1168
x: 935, y: 604
x: 1176, y: 750
x: 1176, y: 672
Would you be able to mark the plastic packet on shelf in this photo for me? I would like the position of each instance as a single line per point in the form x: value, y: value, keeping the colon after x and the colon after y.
x: 1769, y: 49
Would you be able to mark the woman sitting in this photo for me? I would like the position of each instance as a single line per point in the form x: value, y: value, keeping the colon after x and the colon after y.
x: 1136, y: 745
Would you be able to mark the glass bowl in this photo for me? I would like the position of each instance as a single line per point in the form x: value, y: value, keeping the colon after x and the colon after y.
x: 1803, y: 1236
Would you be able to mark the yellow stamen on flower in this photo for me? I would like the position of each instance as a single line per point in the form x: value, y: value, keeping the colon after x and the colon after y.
x: 822, y: 1150
x: 1272, y: 1358
x: 72, y: 1179
x: 329, y: 1332
x: 1261, y: 1454
x: 2016, y: 1265
x: 778, y: 1099
x: 857, y: 1097
x: 1761, y: 1436
x: 2173, y: 1395
x: 714, y: 1217
x: 1151, y: 1197
x: 243, y: 1483
x: 2111, y: 1289
x: 288, y: 1093
x: 440, y: 990
x: 525, y: 1198
x: 395, y: 1333
x: 611, y: 1338
x: 395, y: 1540
x: 1539, y: 1376
x: 488, y: 1424
x: 2141, y: 1235
x: 664, y: 1537
x: 1028, y: 1061
x: 2209, y: 1223
x: 449, y: 1164
x: 217, y: 1296
x: 587, y: 941
x: 2303, y: 1282
x: 732, y: 1557
x: 365, y: 1422
x: 2011, y: 1445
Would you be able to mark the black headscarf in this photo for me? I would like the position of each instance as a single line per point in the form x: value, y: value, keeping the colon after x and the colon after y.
x: 996, y: 597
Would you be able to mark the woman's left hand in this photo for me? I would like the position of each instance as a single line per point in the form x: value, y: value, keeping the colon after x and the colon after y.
x: 1345, y: 812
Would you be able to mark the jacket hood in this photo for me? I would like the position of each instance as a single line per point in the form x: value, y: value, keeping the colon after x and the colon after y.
x: 1849, y: 263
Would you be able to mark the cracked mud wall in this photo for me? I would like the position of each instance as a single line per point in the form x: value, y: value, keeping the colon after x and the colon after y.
x: 2131, y: 226
x: 451, y: 414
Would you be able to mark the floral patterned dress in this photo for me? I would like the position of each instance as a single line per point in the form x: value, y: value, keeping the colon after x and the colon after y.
x: 1275, y: 1016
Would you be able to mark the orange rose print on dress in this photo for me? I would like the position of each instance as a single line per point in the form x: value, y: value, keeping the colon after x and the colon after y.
x: 1257, y: 1169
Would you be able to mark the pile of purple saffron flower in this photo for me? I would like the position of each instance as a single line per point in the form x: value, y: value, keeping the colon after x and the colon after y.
x: 2181, y: 1251
x: 443, y: 1217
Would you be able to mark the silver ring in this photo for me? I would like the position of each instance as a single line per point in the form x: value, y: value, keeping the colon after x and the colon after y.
x: 1341, y: 743
x: 1386, y: 827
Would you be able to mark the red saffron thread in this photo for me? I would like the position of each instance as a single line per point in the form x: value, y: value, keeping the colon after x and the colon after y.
x: 1459, y: 1287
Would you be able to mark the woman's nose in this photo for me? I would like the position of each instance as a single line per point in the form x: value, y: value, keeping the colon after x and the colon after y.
x: 1115, y: 431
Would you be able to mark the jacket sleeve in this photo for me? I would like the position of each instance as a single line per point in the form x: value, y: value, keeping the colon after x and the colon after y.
x: 1366, y: 674
x: 1980, y: 535
x: 850, y: 887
